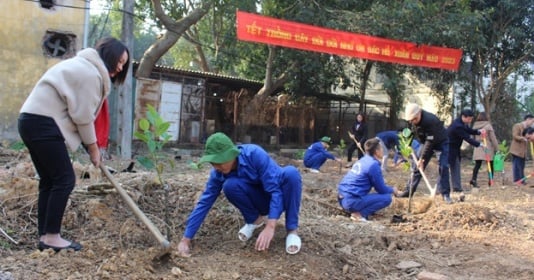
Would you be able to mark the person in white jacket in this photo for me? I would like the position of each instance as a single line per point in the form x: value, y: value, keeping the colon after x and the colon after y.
x: 59, y: 113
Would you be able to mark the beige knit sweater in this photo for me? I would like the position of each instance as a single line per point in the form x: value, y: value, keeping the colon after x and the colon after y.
x: 72, y: 92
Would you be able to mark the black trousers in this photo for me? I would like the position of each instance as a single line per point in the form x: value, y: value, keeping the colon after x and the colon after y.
x: 353, y: 147
x: 51, y: 159
x: 478, y: 163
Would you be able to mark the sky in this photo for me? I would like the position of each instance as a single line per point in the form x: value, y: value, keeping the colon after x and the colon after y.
x: 98, y: 6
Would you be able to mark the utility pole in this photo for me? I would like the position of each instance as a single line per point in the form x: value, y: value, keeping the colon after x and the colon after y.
x: 86, y: 24
x: 125, y: 94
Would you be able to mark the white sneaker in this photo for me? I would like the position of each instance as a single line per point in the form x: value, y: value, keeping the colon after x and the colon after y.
x: 314, y: 170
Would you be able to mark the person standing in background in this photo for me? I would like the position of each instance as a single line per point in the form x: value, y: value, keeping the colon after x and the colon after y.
x: 481, y: 154
x: 358, y: 135
x: 458, y: 132
x: 519, y: 147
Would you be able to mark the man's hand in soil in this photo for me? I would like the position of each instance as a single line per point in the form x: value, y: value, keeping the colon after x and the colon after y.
x: 184, y: 247
x: 266, y: 235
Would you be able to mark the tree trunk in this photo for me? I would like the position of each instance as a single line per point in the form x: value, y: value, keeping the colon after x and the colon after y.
x: 175, y: 29
x: 125, y: 97
x: 363, y: 86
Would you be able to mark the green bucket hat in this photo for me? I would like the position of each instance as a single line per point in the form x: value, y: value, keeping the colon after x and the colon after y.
x: 219, y: 149
x: 326, y: 139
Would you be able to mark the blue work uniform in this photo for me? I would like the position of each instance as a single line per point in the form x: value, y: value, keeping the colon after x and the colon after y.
x: 316, y: 155
x: 258, y: 186
x: 354, y: 188
x: 389, y: 140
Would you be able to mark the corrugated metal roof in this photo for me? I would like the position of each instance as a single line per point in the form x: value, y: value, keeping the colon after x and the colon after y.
x: 213, y: 77
x: 237, y: 81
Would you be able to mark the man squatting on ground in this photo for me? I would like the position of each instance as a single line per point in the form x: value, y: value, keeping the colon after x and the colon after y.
x: 317, y: 154
x: 256, y: 185
x: 354, y: 188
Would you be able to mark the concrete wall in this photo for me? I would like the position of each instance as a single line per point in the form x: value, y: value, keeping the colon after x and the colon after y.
x: 22, y: 57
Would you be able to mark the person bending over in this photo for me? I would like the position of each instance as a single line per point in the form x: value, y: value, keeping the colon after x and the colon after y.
x: 317, y: 154
x: 256, y: 185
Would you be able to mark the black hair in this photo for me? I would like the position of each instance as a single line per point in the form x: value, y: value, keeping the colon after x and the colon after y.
x: 361, y: 114
x: 467, y: 113
x: 528, y: 116
x: 529, y: 130
x: 372, y: 145
x: 110, y: 51
x: 482, y: 116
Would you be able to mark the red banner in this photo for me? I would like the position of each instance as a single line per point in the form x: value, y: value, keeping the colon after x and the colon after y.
x: 255, y: 28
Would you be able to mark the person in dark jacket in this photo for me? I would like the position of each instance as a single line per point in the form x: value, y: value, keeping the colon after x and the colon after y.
x: 358, y: 135
x: 317, y: 154
x: 458, y: 132
x: 429, y: 130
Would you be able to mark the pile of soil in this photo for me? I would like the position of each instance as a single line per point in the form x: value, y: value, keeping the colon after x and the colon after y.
x: 489, y: 236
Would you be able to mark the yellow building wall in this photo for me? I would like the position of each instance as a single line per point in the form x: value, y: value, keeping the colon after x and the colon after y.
x: 22, y: 58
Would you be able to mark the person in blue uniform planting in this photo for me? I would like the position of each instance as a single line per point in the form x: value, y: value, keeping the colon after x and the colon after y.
x: 389, y: 140
x: 256, y: 185
x: 317, y: 154
x: 354, y: 189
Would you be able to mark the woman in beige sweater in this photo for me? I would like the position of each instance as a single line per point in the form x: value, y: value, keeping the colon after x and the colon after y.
x: 59, y: 113
x: 480, y: 153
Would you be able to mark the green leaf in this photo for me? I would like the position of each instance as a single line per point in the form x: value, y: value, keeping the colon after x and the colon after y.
x: 406, y: 132
x: 194, y: 165
x: 152, y: 145
x: 162, y: 128
x: 141, y: 136
x: 17, y: 146
x: 144, y: 124
x: 145, y: 162
x: 152, y: 114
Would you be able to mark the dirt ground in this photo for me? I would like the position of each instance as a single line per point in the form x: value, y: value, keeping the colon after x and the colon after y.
x: 489, y: 236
